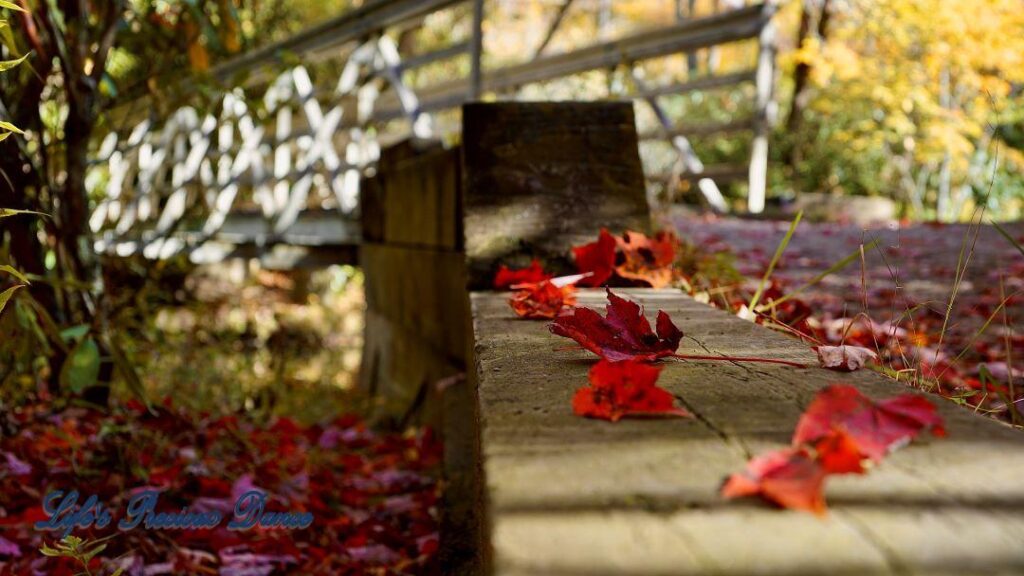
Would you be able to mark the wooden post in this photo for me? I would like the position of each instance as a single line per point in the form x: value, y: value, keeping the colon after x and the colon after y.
x: 765, y: 111
x: 687, y: 157
x: 532, y: 174
x: 476, y: 53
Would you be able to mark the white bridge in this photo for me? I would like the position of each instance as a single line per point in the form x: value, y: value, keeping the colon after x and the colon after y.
x: 269, y: 170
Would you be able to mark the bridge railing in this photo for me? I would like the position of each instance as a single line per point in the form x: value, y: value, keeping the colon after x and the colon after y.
x: 280, y: 143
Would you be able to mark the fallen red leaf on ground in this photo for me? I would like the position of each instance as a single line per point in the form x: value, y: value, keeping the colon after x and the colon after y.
x: 876, y: 427
x: 839, y: 453
x: 542, y: 299
x: 622, y: 389
x: 646, y: 259
x: 623, y: 334
x: 790, y: 478
x: 508, y: 277
x: 596, y: 258
x: 374, y: 496
x: 844, y: 358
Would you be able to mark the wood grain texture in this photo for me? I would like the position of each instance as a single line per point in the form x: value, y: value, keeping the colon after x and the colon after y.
x: 541, y: 177
x: 571, y: 496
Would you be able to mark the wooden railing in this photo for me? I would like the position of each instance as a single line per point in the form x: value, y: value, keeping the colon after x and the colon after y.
x: 307, y: 143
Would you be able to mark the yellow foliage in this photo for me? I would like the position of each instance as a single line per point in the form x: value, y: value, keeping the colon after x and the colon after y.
x: 933, y: 75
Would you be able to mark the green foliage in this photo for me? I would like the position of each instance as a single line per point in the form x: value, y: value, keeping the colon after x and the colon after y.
x: 7, y: 40
x: 78, y: 550
x: 8, y: 212
x: 6, y: 65
x: 5, y: 296
x: 82, y: 367
x: 14, y: 272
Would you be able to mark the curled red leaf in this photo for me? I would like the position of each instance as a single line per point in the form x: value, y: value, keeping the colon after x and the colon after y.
x: 623, y: 334
x: 507, y: 277
x: 597, y: 259
x: 647, y: 259
x: 621, y: 389
x: 876, y: 427
x: 542, y: 299
x: 790, y: 478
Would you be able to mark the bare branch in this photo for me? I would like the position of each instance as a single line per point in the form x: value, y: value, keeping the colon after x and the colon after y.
x: 111, y: 24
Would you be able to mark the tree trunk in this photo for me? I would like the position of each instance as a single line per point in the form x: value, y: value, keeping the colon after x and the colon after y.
x: 75, y: 234
x: 802, y: 75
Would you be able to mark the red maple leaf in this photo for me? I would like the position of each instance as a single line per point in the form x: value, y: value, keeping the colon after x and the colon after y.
x: 626, y: 388
x: 839, y: 453
x: 596, y: 258
x: 647, y: 259
x: 542, y: 299
x: 507, y: 277
x: 876, y: 427
x: 790, y: 478
x: 623, y: 334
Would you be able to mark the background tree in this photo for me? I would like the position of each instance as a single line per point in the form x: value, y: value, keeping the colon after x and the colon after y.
x: 912, y: 98
x: 81, y: 57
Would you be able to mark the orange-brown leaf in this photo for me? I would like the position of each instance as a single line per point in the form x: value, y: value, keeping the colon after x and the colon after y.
x: 542, y: 299
x: 646, y: 259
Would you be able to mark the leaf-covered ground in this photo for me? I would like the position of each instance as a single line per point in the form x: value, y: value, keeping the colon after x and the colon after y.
x: 373, y: 496
x: 256, y: 376
x: 895, y: 299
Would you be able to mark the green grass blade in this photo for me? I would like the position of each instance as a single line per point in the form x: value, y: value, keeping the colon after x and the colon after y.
x: 775, y: 260
x: 831, y: 270
x: 1009, y: 238
x: 8, y: 212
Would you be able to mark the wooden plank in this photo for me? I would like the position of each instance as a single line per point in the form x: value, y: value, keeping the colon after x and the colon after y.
x: 706, y: 83
x: 690, y: 35
x: 699, y: 130
x: 446, y: 53
x: 421, y: 290
x: 400, y: 371
x: 717, y: 172
x: 372, y: 202
x: 541, y: 177
x: 575, y: 496
x: 421, y: 207
x: 766, y: 107
x: 319, y: 238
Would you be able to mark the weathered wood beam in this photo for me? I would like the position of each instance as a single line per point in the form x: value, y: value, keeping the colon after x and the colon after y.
x: 717, y: 172
x: 705, y: 83
x: 569, y: 495
x: 732, y: 26
x: 350, y: 26
x: 699, y: 130
x: 312, y: 229
x: 765, y: 117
